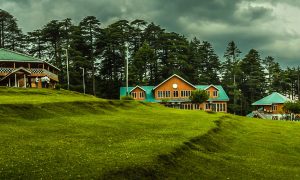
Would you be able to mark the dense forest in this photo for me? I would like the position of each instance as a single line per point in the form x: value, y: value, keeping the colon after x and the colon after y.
x: 154, y: 54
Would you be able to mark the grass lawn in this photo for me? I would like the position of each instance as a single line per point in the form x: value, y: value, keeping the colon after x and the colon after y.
x: 86, y: 138
x: 64, y: 135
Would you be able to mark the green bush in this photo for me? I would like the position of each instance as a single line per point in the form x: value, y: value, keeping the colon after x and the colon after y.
x: 292, y: 107
x: 57, y: 86
x: 127, y: 98
x: 199, y: 96
x: 165, y: 100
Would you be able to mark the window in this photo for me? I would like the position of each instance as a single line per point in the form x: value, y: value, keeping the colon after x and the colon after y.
x: 215, y: 94
x: 189, y: 93
x: 208, y: 93
x: 142, y: 94
x: 182, y: 93
x: 207, y: 106
x: 274, y: 107
x: 133, y: 94
x: 185, y: 93
x: 175, y: 93
x: 168, y: 94
x: 160, y: 94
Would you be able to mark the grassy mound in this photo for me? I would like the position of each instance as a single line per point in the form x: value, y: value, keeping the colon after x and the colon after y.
x: 59, y: 134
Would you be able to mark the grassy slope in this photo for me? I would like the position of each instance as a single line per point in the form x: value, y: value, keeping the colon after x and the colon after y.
x: 69, y: 136
x: 46, y: 135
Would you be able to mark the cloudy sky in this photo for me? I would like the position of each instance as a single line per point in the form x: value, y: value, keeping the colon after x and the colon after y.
x: 270, y: 26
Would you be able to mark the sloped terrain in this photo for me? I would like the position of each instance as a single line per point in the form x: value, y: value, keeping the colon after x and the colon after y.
x: 64, y: 135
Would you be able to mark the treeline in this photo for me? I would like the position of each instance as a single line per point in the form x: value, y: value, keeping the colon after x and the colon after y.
x: 154, y: 54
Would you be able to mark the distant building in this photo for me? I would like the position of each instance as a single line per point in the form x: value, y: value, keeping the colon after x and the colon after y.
x: 175, y: 92
x: 270, y: 107
x: 21, y: 70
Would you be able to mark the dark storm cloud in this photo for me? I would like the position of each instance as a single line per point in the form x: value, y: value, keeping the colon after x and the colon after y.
x: 263, y: 25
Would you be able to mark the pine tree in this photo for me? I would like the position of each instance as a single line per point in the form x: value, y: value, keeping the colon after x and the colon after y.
x: 230, y: 69
x: 253, y: 79
x: 90, y: 27
x: 210, y: 65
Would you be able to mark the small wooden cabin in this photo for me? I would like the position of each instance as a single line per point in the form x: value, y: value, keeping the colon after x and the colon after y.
x: 21, y: 70
x: 270, y: 107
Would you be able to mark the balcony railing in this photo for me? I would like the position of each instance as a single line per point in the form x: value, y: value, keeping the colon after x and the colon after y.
x: 41, y: 72
x: 6, y: 70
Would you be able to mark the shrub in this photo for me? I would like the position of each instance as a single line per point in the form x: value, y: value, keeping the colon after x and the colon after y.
x: 127, y: 98
x: 165, y: 100
x: 199, y: 96
x: 292, y: 107
x: 57, y: 86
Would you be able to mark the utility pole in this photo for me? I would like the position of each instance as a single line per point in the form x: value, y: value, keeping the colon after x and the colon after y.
x: 127, y: 56
x: 68, y: 77
x: 83, y: 81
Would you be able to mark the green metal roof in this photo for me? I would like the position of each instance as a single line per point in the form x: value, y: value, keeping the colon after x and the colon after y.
x: 8, y: 55
x: 222, y: 94
x: 150, y: 96
x: 148, y: 89
x: 12, y: 56
x: 274, y: 98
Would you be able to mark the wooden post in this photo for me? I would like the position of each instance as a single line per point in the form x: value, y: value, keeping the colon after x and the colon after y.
x: 25, y: 80
x: 14, y: 65
x: 15, y: 80
x: 9, y: 83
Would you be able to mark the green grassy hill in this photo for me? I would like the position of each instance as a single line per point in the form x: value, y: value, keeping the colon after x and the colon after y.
x: 65, y: 135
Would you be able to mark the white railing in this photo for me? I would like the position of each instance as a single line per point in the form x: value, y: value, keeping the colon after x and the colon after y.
x: 6, y: 70
x: 35, y: 70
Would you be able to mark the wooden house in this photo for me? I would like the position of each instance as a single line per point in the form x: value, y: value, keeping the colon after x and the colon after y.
x: 175, y: 92
x: 21, y: 70
x: 270, y: 107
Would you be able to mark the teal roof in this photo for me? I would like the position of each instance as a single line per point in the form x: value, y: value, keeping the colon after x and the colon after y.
x: 222, y: 94
x: 8, y: 55
x: 148, y: 89
x: 150, y: 96
x: 12, y: 56
x: 274, y: 98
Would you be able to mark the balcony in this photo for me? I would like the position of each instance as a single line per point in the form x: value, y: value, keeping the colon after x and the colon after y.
x: 34, y: 72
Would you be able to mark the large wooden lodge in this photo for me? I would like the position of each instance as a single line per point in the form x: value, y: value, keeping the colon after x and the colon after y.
x: 21, y: 70
x: 175, y: 91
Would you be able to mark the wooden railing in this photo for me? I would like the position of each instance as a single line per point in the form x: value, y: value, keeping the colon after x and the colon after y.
x: 6, y: 70
x: 50, y: 74
x: 34, y: 71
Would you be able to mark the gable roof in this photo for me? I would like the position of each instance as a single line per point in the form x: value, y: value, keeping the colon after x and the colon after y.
x: 13, y: 56
x: 222, y: 96
x: 211, y: 86
x: 174, y: 75
x: 136, y: 88
x: 274, y: 98
x: 14, y: 71
x: 148, y: 91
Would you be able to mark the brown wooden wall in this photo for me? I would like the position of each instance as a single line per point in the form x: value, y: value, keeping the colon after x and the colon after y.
x: 138, y: 91
x: 168, y: 86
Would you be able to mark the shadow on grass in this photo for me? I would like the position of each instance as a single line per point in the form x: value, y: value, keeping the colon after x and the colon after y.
x: 166, y: 164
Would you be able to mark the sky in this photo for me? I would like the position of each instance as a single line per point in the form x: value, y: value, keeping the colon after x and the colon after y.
x: 270, y: 26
